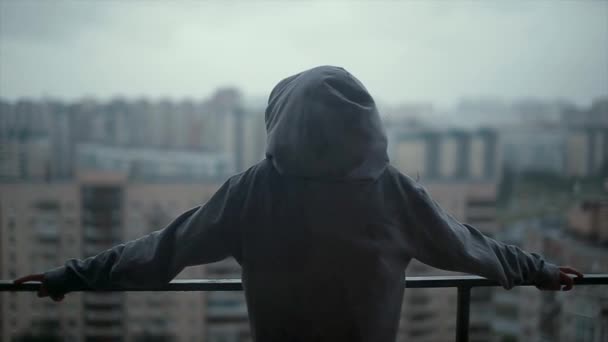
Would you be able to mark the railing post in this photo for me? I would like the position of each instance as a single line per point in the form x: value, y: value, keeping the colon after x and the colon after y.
x: 462, y: 315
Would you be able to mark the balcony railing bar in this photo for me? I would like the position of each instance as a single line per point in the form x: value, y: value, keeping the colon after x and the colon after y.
x: 463, y: 284
x: 235, y: 284
x: 463, y: 310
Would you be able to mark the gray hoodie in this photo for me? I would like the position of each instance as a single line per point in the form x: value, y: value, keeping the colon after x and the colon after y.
x: 323, y: 228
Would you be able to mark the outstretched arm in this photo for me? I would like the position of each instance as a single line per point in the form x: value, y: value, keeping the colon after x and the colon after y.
x: 200, y: 235
x: 439, y: 240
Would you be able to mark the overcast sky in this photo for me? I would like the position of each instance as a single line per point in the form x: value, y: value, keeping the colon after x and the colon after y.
x: 402, y: 51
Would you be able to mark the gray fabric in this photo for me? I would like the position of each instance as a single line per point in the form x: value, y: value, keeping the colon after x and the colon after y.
x: 323, y: 251
x: 323, y: 124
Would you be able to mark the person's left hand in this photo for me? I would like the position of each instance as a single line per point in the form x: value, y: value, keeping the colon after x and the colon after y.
x: 565, y: 279
x: 42, y: 291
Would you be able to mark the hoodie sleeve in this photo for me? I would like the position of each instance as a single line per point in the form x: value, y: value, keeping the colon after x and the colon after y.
x: 201, y: 235
x: 439, y: 240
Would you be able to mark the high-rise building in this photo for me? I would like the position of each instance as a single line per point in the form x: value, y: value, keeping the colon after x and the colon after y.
x: 586, y: 151
x: 146, y: 164
x: 582, y: 314
x: 42, y: 225
x: 460, y: 170
x: 525, y: 313
x: 226, y: 312
x: 430, y: 314
x: 40, y: 228
x: 447, y: 156
x: 253, y: 142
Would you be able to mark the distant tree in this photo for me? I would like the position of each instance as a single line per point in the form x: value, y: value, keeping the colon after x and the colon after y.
x: 545, y: 179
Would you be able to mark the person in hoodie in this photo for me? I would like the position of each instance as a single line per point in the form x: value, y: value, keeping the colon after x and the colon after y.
x: 324, y: 227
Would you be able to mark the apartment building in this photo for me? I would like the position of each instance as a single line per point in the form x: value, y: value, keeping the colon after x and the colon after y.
x: 586, y: 151
x: 527, y: 314
x: 226, y: 312
x: 446, y: 155
x: 42, y: 225
x: 579, y: 315
x: 460, y: 169
x: 430, y: 314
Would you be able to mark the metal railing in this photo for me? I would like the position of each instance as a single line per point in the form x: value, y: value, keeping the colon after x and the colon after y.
x: 463, y: 284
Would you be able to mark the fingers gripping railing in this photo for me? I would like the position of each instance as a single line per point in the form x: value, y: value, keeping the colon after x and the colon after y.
x: 463, y: 284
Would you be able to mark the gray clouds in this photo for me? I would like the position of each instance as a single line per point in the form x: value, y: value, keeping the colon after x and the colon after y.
x: 402, y: 51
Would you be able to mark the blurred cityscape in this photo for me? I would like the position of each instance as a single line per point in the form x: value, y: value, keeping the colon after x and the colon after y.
x: 79, y: 177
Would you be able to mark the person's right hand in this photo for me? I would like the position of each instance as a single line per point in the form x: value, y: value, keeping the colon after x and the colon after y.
x: 564, y: 279
x: 42, y: 291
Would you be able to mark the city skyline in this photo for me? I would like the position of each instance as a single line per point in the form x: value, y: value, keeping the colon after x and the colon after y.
x: 76, y: 178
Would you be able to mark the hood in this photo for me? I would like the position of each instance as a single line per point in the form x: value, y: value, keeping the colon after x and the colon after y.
x: 323, y: 124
